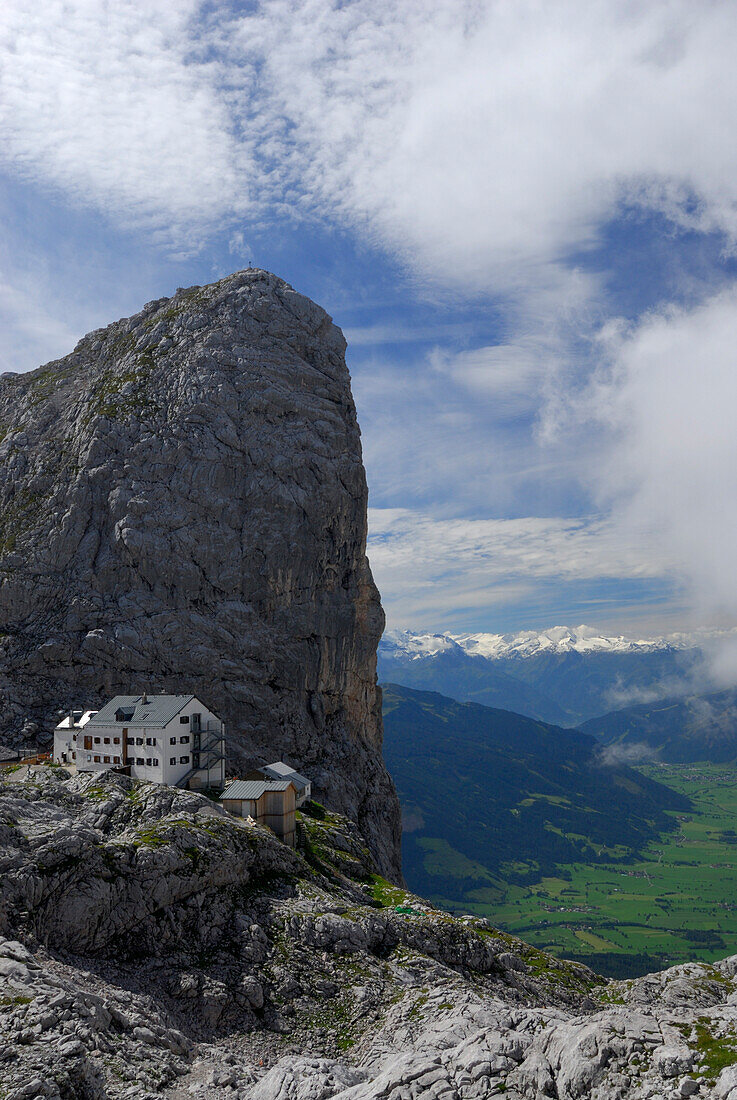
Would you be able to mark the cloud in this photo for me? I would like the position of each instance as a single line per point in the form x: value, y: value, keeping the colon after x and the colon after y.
x: 624, y: 694
x: 487, y: 143
x: 721, y: 657
x: 510, y: 377
x: 239, y: 246
x: 532, y: 546
x: 26, y: 323
x: 636, y: 752
x: 113, y: 106
x: 432, y: 442
x: 666, y: 400
x: 484, y: 143
x: 711, y: 715
x: 430, y: 569
x: 403, y: 333
x: 423, y: 442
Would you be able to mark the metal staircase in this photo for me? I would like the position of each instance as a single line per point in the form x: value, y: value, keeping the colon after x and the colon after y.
x: 208, y: 749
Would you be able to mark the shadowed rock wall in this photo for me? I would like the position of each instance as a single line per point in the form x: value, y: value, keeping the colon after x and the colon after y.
x: 183, y: 507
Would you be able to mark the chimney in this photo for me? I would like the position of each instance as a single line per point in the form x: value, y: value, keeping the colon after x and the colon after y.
x: 144, y: 698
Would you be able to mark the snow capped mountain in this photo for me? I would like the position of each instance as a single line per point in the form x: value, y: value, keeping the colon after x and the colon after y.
x: 557, y: 639
x: 564, y: 675
x: 408, y: 644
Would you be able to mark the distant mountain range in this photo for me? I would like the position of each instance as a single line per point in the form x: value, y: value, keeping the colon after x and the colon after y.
x: 530, y: 643
x: 675, y: 731
x: 490, y: 797
x: 561, y: 675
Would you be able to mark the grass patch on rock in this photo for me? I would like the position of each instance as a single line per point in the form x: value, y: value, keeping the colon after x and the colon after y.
x: 13, y: 1002
x: 385, y: 894
x: 715, y: 1052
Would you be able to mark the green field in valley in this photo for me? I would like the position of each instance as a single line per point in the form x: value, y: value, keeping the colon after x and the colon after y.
x: 678, y: 902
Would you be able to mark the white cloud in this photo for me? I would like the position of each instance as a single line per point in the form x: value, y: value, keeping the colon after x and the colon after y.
x: 426, y: 567
x: 427, y: 441
x: 112, y: 105
x: 486, y: 142
x: 26, y: 324
x: 239, y: 246
x: 635, y: 752
x: 670, y: 472
x: 510, y: 377
x: 402, y: 333
x: 483, y: 141
x: 532, y: 546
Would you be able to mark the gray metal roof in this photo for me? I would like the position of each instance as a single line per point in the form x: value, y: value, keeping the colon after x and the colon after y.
x: 280, y: 770
x: 254, y: 788
x: 158, y: 710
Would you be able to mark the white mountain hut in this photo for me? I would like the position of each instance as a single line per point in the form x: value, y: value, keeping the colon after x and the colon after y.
x: 170, y: 739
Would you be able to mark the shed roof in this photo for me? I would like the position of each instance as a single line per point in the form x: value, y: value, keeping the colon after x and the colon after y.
x: 280, y: 770
x: 158, y: 710
x: 250, y: 789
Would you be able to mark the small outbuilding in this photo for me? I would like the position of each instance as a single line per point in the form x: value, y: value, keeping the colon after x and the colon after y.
x: 269, y: 802
x: 279, y: 770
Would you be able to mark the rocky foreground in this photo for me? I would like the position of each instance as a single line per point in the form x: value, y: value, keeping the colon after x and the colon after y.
x: 154, y: 947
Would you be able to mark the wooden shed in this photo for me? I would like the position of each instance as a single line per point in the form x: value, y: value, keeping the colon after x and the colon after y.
x: 268, y: 801
x: 280, y: 770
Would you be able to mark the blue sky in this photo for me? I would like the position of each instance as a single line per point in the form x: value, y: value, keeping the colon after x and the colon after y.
x: 523, y: 215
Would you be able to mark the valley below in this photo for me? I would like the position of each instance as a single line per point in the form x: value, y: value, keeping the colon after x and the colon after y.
x: 674, y: 903
x: 627, y: 869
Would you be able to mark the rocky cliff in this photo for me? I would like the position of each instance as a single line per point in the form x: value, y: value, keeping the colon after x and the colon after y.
x: 183, y: 507
x: 151, y: 946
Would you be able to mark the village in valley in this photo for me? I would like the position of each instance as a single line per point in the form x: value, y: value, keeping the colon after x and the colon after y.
x: 175, y: 740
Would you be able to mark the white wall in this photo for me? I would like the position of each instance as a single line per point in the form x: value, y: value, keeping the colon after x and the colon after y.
x: 162, y: 750
x: 63, y: 743
x: 99, y: 735
x: 177, y: 729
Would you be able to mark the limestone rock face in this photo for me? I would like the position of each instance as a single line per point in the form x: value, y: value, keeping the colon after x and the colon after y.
x: 183, y: 508
x: 152, y: 946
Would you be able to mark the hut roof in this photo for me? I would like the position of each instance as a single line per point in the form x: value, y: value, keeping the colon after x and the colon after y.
x: 254, y: 788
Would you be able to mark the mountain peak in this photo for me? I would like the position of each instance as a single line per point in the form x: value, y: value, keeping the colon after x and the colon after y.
x: 183, y: 505
x: 528, y: 643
